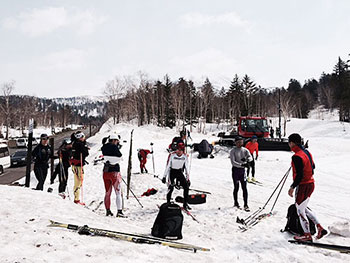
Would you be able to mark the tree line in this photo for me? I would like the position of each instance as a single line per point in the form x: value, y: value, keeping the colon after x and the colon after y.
x: 165, y: 102
x: 16, y: 110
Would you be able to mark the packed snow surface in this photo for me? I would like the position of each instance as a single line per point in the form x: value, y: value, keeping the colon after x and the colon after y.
x: 25, y: 213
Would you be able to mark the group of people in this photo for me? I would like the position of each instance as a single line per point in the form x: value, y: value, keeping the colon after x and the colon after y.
x: 303, y: 181
x: 73, y: 153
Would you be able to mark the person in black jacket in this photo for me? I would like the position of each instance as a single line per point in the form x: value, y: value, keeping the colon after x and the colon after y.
x: 79, y: 152
x: 111, y: 174
x: 64, y: 154
x: 41, y: 155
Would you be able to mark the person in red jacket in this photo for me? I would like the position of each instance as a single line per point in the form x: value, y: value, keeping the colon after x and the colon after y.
x: 252, y: 146
x: 142, y: 155
x: 303, y: 183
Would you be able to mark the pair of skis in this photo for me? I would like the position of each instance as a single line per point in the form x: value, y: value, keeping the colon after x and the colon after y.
x: 86, y: 230
x: 342, y: 249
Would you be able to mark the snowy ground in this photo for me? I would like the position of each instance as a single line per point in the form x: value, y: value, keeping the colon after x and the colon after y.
x: 25, y: 213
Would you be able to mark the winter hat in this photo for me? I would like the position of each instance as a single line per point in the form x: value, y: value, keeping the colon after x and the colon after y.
x: 294, y: 137
x: 254, y: 137
x: 238, y: 138
x: 67, y: 141
x: 114, y: 136
x: 44, y: 136
x: 79, y: 135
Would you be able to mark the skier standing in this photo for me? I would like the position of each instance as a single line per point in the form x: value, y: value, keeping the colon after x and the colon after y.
x: 173, y: 175
x: 303, y: 184
x: 142, y: 155
x: 64, y: 153
x: 111, y: 174
x: 79, y: 152
x: 41, y: 155
x: 252, y: 146
x: 240, y: 158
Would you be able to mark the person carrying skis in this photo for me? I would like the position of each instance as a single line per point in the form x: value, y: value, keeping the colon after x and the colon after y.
x: 303, y: 183
x: 111, y: 174
x: 79, y: 152
x: 142, y: 155
x: 64, y: 154
x: 41, y: 155
x: 240, y: 158
x: 174, y: 174
x: 252, y: 147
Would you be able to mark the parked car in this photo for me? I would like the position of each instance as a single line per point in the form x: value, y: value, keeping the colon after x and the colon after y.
x: 5, y: 161
x: 19, y: 158
x: 21, y: 142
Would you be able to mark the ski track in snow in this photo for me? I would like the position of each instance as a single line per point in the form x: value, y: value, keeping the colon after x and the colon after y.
x: 25, y: 213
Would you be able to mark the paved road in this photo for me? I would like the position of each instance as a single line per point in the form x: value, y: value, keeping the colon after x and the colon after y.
x: 13, y: 174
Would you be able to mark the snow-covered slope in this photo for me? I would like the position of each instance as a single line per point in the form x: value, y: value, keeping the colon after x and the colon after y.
x: 25, y: 213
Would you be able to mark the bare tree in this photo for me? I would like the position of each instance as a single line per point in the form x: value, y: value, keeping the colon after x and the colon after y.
x: 7, y: 89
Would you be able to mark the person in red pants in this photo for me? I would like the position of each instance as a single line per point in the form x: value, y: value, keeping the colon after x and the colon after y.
x: 303, y: 184
x: 142, y: 155
x: 111, y: 174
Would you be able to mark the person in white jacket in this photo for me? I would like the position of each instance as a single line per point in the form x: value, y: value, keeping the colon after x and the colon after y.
x: 174, y: 173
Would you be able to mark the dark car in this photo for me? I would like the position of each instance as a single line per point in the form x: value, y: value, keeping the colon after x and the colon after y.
x: 19, y: 158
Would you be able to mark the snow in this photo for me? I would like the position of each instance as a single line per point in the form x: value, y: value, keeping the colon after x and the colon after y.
x: 25, y: 213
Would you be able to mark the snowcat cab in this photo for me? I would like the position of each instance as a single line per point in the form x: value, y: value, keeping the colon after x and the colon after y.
x: 258, y: 126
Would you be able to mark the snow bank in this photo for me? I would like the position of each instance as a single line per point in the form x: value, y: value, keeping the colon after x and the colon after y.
x: 25, y: 213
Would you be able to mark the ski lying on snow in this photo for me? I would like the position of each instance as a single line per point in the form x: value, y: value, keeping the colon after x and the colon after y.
x: 256, y: 183
x: 342, y: 249
x: 255, y: 220
x: 86, y: 230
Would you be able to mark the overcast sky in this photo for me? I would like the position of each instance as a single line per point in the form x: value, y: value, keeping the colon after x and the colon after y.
x: 73, y: 47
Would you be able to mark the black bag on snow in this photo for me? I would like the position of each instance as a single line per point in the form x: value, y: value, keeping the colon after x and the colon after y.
x: 168, y: 223
x: 293, y: 223
x: 194, y: 199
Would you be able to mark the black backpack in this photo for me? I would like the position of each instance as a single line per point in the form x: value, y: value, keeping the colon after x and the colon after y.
x: 293, y: 223
x: 169, y: 221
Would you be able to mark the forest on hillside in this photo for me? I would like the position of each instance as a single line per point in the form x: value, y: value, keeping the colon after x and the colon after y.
x: 163, y: 102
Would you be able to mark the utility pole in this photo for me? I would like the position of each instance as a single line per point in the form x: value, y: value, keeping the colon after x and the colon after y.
x: 29, y: 152
x: 279, y: 114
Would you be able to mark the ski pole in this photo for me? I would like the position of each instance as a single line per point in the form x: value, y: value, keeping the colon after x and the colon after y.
x: 154, y: 171
x: 279, y: 193
x: 261, y: 209
x: 133, y: 193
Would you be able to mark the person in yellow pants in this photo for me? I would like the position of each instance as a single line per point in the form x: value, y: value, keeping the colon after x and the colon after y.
x: 78, y: 181
x: 79, y: 152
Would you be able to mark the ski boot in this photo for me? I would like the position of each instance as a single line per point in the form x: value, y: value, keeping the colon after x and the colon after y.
x: 109, y: 212
x: 246, y: 208
x: 236, y: 205
x: 305, y: 237
x: 321, y: 232
x: 146, y: 171
x: 120, y: 213
x: 78, y: 202
x: 249, y: 180
x: 63, y: 195
x: 253, y: 180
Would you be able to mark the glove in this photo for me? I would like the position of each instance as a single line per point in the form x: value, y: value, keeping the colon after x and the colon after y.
x: 256, y: 158
x: 246, y: 165
x: 188, y: 183
x: 163, y: 180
